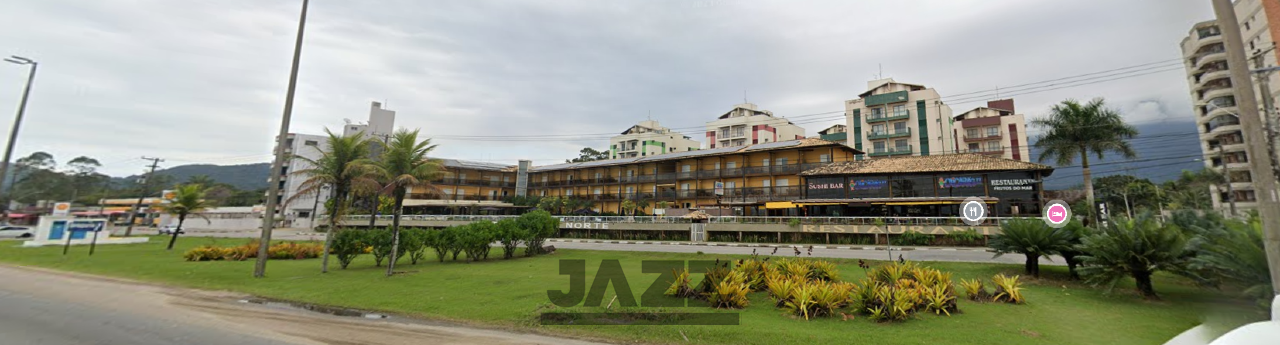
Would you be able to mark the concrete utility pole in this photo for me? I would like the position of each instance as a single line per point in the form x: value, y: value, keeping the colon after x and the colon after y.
x: 1259, y: 160
x: 146, y: 182
x: 13, y: 133
x: 273, y: 190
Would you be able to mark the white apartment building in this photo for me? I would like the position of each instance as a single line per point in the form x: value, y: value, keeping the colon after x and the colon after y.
x: 648, y: 138
x: 298, y: 210
x: 1213, y: 98
x: 892, y: 119
x: 748, y: 125
x: 993, y: 130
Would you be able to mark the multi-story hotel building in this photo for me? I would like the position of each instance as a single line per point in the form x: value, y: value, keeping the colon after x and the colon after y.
x: 748, y: 176
x: 992, y: 130
x: 467, y: 184
x: 836, y: 133
x: 294, y: 206
x: 1205, y: 59
x: 746, y: 125
x: 648, y: 138
x: 893, y: 119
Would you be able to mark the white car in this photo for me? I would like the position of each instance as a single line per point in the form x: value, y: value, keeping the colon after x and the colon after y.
x: 16, y: 231
x: 169, y: 229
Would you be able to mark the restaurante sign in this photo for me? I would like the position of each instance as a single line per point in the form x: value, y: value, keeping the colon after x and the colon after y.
x: 1014, y: 184
x: 959, y: 181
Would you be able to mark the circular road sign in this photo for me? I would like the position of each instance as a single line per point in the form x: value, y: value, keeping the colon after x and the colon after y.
x: 1057, y: 213
x: 973, y: 211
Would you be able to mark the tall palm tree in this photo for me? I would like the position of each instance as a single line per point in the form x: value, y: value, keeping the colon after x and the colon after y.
x: 1077, y: 130
x: 345, y: 168
x: 187, y: 200
x: 404, y: 164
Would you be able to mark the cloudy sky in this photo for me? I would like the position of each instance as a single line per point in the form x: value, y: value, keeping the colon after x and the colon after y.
x: 197, y: 81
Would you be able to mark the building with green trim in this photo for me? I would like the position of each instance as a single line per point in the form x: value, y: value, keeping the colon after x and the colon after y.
x: 648, y: 138
x: 898, y: 119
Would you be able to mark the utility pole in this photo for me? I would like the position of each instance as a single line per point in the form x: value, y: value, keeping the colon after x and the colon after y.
x: 1264, y: 178
x: 273, y: 190
x: 146, y: 182
x: 13, y: 133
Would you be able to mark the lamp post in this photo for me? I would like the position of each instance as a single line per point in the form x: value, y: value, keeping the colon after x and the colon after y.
x: 13, y: 133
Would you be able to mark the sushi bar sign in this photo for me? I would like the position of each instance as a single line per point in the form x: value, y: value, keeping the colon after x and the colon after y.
x: 826, y: 186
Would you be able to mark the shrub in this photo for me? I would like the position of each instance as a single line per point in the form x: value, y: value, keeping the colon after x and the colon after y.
x: 713, y: 277
x: 1134, y: 248
x: 894, y: 291
x: 680, y: 285
x: 914, y: 238
x: 974, y: 290
x: 412, y: 242
x: 730, y: 292
x: 436, y: 240
x: 1232, y: 252
x: 1032, y: 238
x: 380, y: 240
x: 1007, y: 289
x: 539, y: 225
x: 295, y: 251
x: 781, y: 286
x: 243, y: 252
x: 451, y: 239
x: 509, y: 233
x: 755, y: 271
x: 967, y: 237
x: 475, y: 240
x: 347, y: 245
x: 204, y: 253
x: 793, y: 222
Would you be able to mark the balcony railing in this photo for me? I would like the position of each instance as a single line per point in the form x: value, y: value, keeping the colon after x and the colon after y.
x: 888, y: 117
x: 982, y: 137
x: 905, y: 132
x: 938, y: 221
x: 452, y: 181
x: 892, y: 151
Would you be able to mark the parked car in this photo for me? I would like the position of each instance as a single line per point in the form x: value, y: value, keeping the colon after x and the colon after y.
x: 169, y: 229
x: 16, y: 231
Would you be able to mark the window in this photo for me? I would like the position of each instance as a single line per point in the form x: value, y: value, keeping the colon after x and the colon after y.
x: 717, y: 166
x: 684, y: 186
x: 782, y: 182
x: 766, y: 183
x: 733, y: 165
x: 825, y: 158
x: 993, y: 146
x: 877, y: 112
x: 597, y: 191
x: 764, y: 162
x: 782, y: 161
x: 310, y: 143
x: 900, y: 110
x: 993, y: 131
x: 877, y: 146
x: 971, y: 133
x: 900, y: 144
x: 463, y: 177
x: 685, y: 168
x: 877, y: 128
x: 631, y: 173
x: 973, y: 147
x: 568, y: 192
x: 730, y: 185
x: 447, y: 191
x: 899, y: 127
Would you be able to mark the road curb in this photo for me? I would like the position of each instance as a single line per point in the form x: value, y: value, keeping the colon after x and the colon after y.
x: 770, y: 245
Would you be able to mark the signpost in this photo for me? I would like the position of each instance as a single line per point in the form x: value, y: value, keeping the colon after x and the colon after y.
x: 1103, y: 214
x: 83, y: 226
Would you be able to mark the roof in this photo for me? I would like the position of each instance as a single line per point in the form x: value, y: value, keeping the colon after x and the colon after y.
x: 789, y: 144
x: 461, y: 164
x: 925, y: 164
x: 868, y: 92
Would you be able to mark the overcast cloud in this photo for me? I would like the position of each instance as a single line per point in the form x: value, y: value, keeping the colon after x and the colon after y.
x: 204, y: 81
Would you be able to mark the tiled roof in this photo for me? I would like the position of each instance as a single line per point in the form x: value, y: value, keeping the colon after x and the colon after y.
x: 925, y: 164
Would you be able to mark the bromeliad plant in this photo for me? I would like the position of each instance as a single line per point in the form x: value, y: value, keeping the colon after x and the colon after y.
x: 730, y: 292
x: 680, y: 285
x: 1008, y: 289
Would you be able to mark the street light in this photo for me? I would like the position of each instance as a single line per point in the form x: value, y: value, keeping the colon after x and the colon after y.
x: 13, y: 133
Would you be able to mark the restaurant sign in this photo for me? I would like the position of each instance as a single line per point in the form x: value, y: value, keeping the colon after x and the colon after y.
x: 1014, y: 184
x: 867, y: 184
x: 959, y: 181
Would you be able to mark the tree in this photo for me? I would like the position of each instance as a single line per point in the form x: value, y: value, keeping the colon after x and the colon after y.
x: 203, y: 180
x: 1076, y: 232
x: 1136, y: 248
x: 1077, y: 130
x: 405, y: 165
x: 641, y: 205
x: 84, y: 176
x: 344, y: 166
x: 1231, y: 251
x: 629, y: 207
x: 187, y: 200
x: 35, y: 179
x: 1030, y: 237
x: 588, y: 154
x: 553, y: 205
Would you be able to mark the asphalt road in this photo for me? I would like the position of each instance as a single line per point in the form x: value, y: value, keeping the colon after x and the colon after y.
x: 43, y: 307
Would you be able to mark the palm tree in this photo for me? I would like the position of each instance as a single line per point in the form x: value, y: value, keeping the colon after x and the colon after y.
x: 1135, y: 248
x: 1077, y: 130
x: 1030, y: 237
x: 187, y: 200
x: 405, y: 165
x: 345, y: 168
x: 641, y: 205
x: 628, y: 207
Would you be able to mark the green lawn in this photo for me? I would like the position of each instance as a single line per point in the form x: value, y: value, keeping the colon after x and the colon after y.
x: 505, y: 294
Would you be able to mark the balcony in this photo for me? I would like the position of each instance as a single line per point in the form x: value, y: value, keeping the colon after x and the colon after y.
x: 892, y: 151
x: 786, y: 169
x: 904, y: 132
x: 713, y: 173
x: 731, y: 172
x: 666, y: 177
x: 686, y: 175
x: 751, y: 171
x: 982, y: 137
x: 888, y: 117
x: 1205, y: 78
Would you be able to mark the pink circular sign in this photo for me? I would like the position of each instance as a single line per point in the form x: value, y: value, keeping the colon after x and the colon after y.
x: 1056, y: 214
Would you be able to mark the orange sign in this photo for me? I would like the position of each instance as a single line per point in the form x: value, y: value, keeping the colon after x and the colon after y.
x: 61, y: 209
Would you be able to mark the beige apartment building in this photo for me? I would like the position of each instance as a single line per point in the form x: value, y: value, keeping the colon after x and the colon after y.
x: 648, y: 138
x: 994, y: 130
x: 747, y: 125
x: 1213, y: 98
x: 896, y: 119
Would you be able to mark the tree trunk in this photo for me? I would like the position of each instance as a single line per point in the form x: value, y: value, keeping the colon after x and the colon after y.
x: 1071, y: 265
x: 1088, y: 177
x: 182, y: 217
x: 396, y: 211
x: 1033, y: 265
x: 1143, y: 279
x: 1128, y: 209
x: 373, y: 211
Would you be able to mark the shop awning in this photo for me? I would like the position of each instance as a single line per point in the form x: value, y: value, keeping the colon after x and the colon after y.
x: 779, y: 205
x: 821, y: 203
